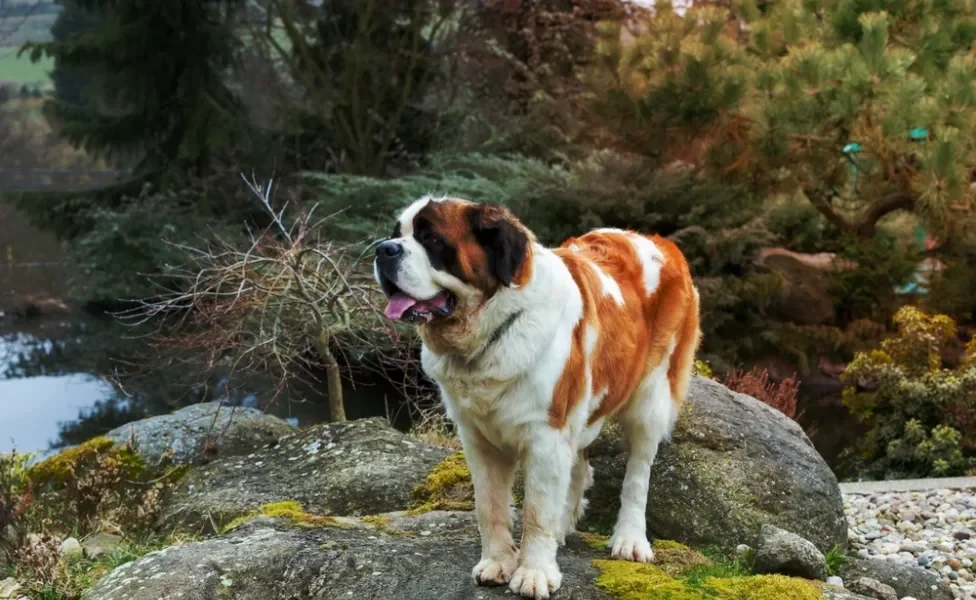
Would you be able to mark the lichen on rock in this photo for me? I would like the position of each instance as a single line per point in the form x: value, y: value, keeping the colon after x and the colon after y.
x: 201, y: 432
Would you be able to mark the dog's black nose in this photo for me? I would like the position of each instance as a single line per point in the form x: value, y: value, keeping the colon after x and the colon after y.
x: 388, y: 249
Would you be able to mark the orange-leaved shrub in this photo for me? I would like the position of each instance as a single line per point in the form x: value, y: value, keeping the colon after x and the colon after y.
x: 780, y: 395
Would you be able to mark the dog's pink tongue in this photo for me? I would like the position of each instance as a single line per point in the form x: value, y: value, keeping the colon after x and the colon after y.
x: 399, y: 304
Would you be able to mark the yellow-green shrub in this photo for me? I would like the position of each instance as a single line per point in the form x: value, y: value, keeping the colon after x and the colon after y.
x: 921, y: 417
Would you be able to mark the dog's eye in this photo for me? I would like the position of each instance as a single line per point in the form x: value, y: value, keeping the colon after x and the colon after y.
x: 429, y: 239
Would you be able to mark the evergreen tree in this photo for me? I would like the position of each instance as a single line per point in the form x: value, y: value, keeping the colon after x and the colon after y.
x: 861, y: 110
x: 71, y: 82
x: 163, y: 101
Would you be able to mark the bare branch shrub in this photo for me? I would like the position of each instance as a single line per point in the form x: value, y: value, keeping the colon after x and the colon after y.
x: 285, y: 304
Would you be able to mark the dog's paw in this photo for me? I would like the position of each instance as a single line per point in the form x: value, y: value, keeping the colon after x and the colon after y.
x: 631, y: 546
x: 538, y: 583
x: 491, y: 572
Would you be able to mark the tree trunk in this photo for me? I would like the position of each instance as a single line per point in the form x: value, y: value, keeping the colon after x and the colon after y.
x: 337, y: 410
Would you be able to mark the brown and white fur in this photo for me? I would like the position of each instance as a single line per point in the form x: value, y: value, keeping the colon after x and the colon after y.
x: 533, y: 350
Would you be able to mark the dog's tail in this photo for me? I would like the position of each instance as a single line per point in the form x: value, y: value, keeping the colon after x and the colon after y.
x: 683, y: 359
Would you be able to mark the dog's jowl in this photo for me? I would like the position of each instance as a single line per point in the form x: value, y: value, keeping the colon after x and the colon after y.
x: 533, y: 348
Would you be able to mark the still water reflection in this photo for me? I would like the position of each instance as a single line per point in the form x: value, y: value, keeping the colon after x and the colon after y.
x: 33, y: 407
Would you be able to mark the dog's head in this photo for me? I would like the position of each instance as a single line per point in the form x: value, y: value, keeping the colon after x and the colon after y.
x: 446, y: 257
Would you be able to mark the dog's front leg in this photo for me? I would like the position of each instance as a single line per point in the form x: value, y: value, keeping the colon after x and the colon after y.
x: 492, y: 473
x: 548, y: 462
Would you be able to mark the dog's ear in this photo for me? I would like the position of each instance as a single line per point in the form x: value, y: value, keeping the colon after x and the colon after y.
x: 504, y: 239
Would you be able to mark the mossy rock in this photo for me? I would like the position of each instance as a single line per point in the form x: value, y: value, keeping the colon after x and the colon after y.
x: 624, y: 580
x: 66, y: 466
x: 412, y: 557
x: 201, y: 432
x: 733, y: 464
x: 355, y: 468
x: 290, y: 511
x: 447, y: 487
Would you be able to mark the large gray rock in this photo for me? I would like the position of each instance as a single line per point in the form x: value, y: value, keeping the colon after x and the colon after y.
x: 734, y: 464
x: 406, y: 557
x: 906, y: 580
x: 267, y: 560
x: 354, y: 468
x: 786, y: 553
x: 200, y: 432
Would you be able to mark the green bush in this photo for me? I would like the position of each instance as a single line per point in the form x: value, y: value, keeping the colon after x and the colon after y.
x: 125, y: 245
x: 921, y: 417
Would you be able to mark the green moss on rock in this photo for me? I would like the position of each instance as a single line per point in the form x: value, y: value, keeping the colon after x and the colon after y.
x: 594, y: 540
x: 288, y: 510
x: 100, y: 452
x: 765, y: 587
x: 625, y: 580
x: 377, y: 521
x: 447, y: 487
x: 676, y: 559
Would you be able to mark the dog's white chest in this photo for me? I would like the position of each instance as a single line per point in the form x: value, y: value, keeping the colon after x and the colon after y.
x: 489, y: 409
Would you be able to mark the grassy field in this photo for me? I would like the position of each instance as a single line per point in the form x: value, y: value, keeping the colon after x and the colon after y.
x: 14, y: 31
x: 22, y: 70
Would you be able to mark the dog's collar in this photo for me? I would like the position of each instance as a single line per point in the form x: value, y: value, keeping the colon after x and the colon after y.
x: 497, y: 335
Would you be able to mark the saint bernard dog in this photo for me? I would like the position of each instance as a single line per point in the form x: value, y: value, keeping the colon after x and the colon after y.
x: 532, y: 349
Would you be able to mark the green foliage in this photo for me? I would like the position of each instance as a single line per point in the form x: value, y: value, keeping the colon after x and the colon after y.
x: 142, y: 237
x: 863, y: 108
x: 920, y: 415
x: 515, y: 84
x: 836, y: 558
x: 365, y: 69
x: 68, y: 579
x: 162, y: 95
x: 867, y: 291
x: 673, y: 83
x: 16, y: 499
x: 72, y: 82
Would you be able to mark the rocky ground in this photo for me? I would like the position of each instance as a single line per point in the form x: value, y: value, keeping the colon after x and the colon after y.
x: 933, y: 529
x: 360, y: 510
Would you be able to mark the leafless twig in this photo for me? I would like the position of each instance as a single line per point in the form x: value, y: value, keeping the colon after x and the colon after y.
x: 286, y: 302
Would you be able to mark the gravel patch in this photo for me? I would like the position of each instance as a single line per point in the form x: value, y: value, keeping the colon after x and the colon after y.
x: 934, y: 529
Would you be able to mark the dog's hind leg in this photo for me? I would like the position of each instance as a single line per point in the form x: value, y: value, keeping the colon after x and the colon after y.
x: 581, y: 480
x: 645, y: 421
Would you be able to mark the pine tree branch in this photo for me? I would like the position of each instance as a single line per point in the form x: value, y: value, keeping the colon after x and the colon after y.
x: 879, y: 208
x: 865, y: 226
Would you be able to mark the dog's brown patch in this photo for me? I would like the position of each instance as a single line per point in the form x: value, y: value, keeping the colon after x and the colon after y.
x: 633, y: 336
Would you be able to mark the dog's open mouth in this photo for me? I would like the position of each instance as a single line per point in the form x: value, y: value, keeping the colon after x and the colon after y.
x: 404, y: 307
